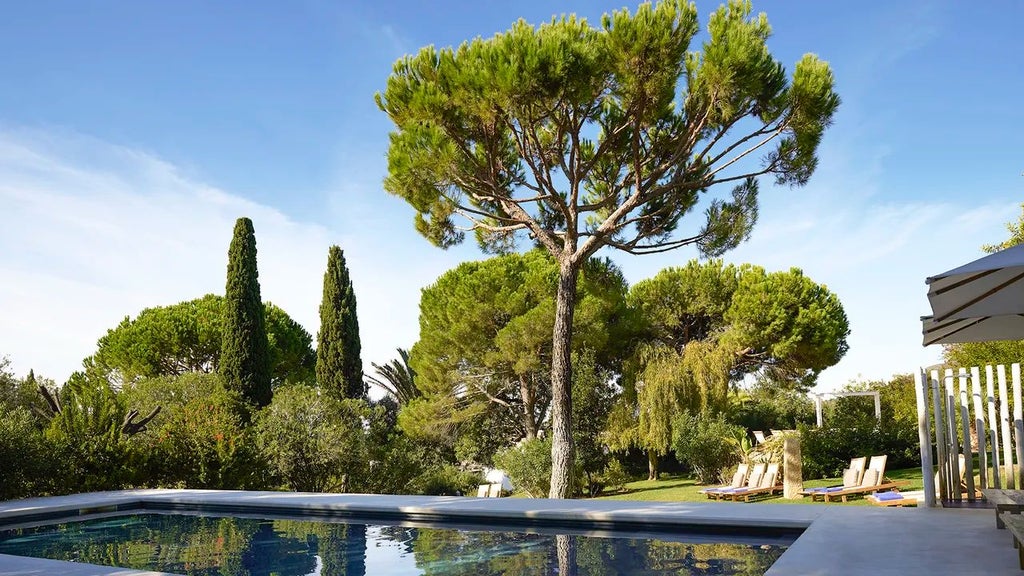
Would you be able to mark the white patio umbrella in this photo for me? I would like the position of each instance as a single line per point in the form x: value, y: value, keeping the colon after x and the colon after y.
x: 987, y: 287
x: 983, y: 329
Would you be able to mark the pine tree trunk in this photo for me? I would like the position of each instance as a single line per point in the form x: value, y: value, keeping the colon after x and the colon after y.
x: 529, y: 406
x: 562, y: 449
x: 565, y: 546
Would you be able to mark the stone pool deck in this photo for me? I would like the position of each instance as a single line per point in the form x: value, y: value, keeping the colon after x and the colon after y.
x: 836, y: 539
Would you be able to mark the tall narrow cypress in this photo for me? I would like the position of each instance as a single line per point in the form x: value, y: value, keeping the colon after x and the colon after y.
x: 339, y: 369
x: 245, y: 357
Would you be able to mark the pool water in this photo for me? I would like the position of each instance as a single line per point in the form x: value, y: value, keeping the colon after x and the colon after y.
x: 223, y: 546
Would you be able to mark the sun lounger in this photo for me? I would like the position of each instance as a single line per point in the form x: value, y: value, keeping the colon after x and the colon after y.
x: 852, y: 477
x: 873, y: 481
x: 767, y: 485
x: 494, y: 491
x: 893, y: 498
x: 738, y: 480
x: 759, y: 437
x: 753, y: 481
x: 481, y: 492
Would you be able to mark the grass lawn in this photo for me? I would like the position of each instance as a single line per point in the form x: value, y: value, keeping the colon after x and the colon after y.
x: 678, y: 488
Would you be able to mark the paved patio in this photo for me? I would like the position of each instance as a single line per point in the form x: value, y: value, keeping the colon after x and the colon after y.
x: 836, y: 539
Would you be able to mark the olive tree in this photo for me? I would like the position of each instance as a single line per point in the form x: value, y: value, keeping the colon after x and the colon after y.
x: 585, y: 137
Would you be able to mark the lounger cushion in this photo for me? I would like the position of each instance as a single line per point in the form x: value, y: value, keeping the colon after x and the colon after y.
x: 889, y: 496
x: 870, y: 478
x: 737, y: 479
x: 851, y: 477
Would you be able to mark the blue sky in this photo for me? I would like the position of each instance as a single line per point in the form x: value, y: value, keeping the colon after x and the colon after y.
x: 133, y: 133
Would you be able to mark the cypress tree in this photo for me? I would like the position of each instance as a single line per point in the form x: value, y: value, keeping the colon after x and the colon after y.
x: 245, y: 356
x: 339, y: 369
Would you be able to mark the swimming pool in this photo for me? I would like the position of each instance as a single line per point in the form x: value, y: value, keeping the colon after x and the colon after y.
x: 210, y: 545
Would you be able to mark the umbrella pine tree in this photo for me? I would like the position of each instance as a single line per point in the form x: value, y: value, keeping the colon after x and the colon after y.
x: 584, y: 137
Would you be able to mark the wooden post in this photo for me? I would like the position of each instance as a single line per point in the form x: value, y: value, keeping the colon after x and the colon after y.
x: 993, y: 424
x: 965, y: 429
x: 921, y: 391
x: 792, y: 468
x: 979, y: 427
x: 1018, y: 422
x: 1004, y: 427
x: 940, y: 436
x: 995, y: 458
x: 954, y: 447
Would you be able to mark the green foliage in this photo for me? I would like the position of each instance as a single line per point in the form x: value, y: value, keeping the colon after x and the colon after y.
x: 495, y: 118
x: 245, y: 356
x: 292, y: 358
x: 704, y: 443
x: 339, y: 368
x: 399, y: 464
x: 163, y: 341
x: 708, y: 325
x: 593, y: 395
x: 587, y: 137
x: 200, y: 440
x: 312, y: 440
x: 24, y: 454
x: 22, y: 392
x: 786, y: 326
x: 614, y: 476
x: 188, y: 337
x: 765, y: 406
x: 825, y: 452
x: 528, y: 465
x: 897, y: 399
x: 445, y: 480
x: 486, y: 330
x: 397, y: 378
x: 91, y: 451
x: 968, y: 354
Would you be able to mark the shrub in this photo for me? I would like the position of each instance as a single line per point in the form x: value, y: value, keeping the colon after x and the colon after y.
x: 706, y: 443
x: 528, y: 465
x: 614, y: 476
x: 203, y: 443
x: 445, y: 480
x: 825, y: 452
x: 89, y: 449
x: 312, y: 441
x: 23, y: 454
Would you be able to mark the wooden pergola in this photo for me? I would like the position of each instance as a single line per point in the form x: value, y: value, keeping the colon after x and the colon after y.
x: 819, y: 401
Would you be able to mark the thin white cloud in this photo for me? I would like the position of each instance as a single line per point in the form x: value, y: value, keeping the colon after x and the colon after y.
x: 93, y: 232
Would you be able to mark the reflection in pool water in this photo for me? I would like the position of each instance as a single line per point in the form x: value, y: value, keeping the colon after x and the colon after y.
x: 219, y: 546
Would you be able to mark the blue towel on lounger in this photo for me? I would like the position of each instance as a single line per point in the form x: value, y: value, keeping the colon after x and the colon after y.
x: 834, y: 489
x: 889, y: 496
x: 823, y: 489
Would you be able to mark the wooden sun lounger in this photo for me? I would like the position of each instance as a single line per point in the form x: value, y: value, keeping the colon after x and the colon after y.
x: 851, y: 478
x: 767, y: 485
x: 753, y: 481
x: 738, y: 480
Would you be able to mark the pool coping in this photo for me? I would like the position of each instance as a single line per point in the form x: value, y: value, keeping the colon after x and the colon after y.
x: 834, y: 539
